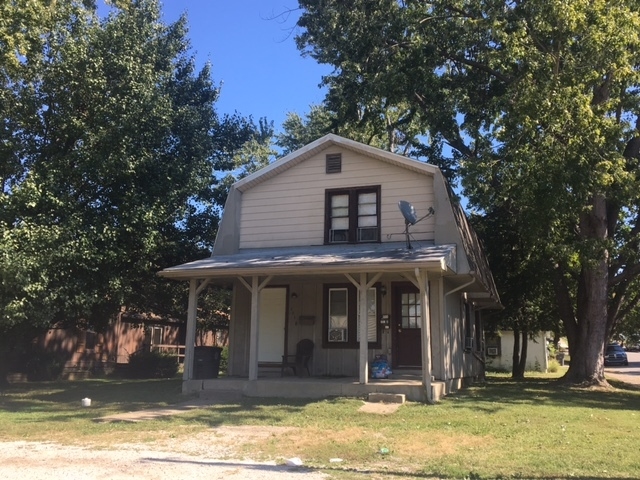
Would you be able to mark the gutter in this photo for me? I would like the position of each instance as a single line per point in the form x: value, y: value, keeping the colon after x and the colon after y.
x: 465, y: 285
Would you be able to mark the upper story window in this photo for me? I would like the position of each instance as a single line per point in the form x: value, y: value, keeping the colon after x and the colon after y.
x: 353, y: 215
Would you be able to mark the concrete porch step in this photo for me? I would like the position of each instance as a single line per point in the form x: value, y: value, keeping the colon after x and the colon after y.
x: 438, y: 390
x: 386, y: 397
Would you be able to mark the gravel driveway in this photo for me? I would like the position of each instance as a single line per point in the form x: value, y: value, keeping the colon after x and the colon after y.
x: 48, y: 461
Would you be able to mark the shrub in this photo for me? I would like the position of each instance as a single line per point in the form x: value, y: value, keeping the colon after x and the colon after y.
x: 152, y: 365
x: 553, y: 366
x: 224, y: 359
x: 43, y: 366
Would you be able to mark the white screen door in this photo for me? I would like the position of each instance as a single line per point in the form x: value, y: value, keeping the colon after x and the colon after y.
x: 273, y: 310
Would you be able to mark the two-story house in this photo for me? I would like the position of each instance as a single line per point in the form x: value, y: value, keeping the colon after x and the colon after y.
x: 316, y: 247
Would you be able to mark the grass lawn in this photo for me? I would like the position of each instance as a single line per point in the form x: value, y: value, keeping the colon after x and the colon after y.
x: 501, y: 429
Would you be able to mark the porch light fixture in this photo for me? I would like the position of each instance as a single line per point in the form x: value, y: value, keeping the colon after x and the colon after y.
x: 294, y: 295
x: 383, y: 290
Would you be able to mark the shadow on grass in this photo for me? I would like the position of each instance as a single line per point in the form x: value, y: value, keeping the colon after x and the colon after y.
x: 64, y: 396
x: 364, y: 472
x: 247, y: 411
x: 498, y: 392
x: 61, y: 402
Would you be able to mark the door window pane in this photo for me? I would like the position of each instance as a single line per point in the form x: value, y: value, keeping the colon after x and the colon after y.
x: 411, y: 311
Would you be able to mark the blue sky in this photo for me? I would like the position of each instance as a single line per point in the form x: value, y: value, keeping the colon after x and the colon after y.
x: 251, y: 47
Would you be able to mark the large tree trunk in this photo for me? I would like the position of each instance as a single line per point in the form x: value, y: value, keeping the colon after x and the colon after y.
x: 515, y: 354
x: 520, y: 347
x: 587, y: 335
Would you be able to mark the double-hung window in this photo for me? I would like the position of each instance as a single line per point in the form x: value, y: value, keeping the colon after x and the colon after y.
x: 353, y: 215
x: 338, y: 315
x: 342, y: 317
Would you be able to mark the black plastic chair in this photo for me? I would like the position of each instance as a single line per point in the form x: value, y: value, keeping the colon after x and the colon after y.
x: 300, y: 360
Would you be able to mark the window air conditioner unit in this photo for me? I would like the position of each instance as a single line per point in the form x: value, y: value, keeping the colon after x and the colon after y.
x: 468, y: 343
x: 338, y: 335
x: 492, y: 351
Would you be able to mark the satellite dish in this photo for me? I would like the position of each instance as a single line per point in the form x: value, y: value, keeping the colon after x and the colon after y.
x: 408, y: 212
x: 411, y: 218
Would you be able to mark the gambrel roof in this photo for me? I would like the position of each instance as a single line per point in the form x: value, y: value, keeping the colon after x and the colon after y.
x: 452, y: 230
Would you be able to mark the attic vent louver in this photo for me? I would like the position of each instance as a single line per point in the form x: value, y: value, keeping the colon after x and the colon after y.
x: 334, y: 163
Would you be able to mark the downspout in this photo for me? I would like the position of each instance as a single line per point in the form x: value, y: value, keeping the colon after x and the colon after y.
x: 457, y: 289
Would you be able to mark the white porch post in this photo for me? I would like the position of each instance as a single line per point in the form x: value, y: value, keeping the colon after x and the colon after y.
x: 190, y: 339
x: 425, y: 317
x: 253, y: 341
x: 364, y: 334
x: 363, y: 287
x: 255, y: 288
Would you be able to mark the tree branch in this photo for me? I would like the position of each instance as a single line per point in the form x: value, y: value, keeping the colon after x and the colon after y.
x: 629, y: 306
x: 627, y: 274
x: 481, y: 66
x: 456, y: 143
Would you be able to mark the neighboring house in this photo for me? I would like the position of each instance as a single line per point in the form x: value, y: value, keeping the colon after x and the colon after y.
x: 499, y: 350
x: 85, y: 351
x: 314, y: 248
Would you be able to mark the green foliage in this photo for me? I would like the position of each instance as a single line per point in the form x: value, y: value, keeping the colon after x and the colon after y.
x: 213, y: 315
x: 42, y: 365
x: 553, y: 366
x: 152, y: 365
x: 537, y: 105
x: 224, y: 359
x: 299, y: 131
x: 108, y: 149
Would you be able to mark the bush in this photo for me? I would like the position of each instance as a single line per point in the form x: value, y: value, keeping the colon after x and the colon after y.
x: 152, y: 365
x: 43, y: 366
x: 224, y: 360
x: 553, y: 365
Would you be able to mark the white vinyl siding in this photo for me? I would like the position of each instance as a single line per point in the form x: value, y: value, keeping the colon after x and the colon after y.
x: 289, y: 209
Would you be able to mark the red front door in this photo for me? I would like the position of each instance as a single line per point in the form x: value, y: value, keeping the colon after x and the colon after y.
x: 407, y: 323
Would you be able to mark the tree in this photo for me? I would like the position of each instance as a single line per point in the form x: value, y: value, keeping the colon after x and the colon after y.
x: 108, y: 147
x: 525, y: 288
x: 299, y: 131
x: 538, y: 102
x: 256, y: 152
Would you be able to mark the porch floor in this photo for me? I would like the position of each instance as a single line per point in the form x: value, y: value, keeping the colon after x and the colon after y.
x: 270, y: 385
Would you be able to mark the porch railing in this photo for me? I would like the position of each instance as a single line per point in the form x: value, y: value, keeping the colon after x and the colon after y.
x: 177, y: 350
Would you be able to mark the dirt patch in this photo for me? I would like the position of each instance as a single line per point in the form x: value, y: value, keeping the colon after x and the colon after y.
x: 436, y: 444
x: 225, y: 442
x: 380, y: 408
x: 211, y: 455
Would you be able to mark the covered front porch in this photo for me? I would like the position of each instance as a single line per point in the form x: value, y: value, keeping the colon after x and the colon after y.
x: 401, y: 305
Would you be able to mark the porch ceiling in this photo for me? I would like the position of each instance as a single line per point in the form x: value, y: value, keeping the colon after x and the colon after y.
x: 379, y: 257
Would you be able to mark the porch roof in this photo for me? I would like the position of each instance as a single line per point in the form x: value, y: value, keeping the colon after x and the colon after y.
x: 313, y: 260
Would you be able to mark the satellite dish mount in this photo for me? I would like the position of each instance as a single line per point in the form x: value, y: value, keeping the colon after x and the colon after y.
x: 411, y: 218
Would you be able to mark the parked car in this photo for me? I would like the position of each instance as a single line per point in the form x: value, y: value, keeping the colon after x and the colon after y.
x: 633, y: 348
x: 615, y: 355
